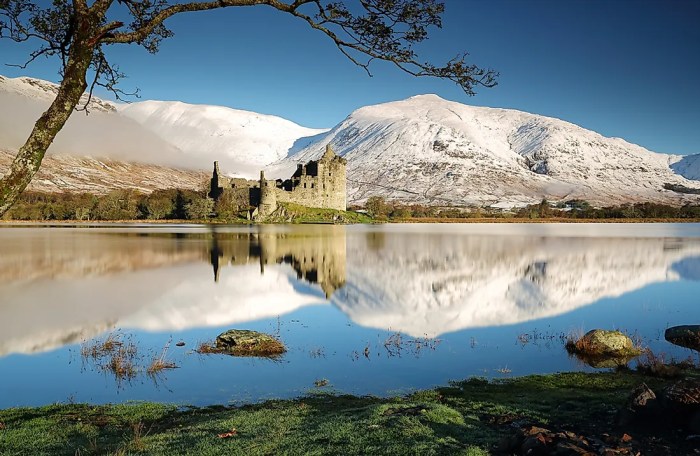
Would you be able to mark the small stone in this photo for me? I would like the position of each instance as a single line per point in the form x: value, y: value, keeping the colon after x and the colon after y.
x: 641, y: 396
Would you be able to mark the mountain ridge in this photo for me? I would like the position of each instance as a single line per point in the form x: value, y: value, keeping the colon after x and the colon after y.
x: 423, y: 149
x: 471, y: 155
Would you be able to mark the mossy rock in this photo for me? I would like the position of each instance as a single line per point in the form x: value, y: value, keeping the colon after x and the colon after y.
x: 599, y: 343
x: 687, y: 336
x: 244, y: 342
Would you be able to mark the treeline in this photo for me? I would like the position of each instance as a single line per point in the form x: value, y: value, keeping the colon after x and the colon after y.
x: 381, y: 209
x: 183, y: 204
x: 170, y: 204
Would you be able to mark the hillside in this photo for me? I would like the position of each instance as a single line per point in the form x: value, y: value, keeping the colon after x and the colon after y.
x: 59, y: 173
x: 429, y: 150
x: 423, y: 149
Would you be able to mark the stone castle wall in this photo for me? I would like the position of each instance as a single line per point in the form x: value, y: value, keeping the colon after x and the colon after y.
x: 320, y: 184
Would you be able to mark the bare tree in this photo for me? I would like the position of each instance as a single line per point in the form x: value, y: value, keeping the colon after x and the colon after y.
x: 77, y: 33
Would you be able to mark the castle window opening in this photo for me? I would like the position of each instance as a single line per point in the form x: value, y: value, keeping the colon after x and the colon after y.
x: 312, y: 185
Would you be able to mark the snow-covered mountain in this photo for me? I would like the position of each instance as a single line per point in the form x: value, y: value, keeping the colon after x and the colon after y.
x: 242, y: 141
x: 429, y: 150
x: 104, y: 133
x: 423, y: 149
x: 163, y: 133
x: 68, y: 173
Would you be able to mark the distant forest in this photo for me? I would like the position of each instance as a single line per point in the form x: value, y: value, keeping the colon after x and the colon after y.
x: 173, y: 204
x: 182, y: 204
x: 379, y: 208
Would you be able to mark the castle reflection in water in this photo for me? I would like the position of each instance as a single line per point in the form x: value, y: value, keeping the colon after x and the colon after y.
x: 316, y: 259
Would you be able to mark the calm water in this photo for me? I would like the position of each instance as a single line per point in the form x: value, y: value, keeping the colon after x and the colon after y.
x: 373, y: 309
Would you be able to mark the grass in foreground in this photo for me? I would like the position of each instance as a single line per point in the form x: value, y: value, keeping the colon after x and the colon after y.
x: 468, y: 417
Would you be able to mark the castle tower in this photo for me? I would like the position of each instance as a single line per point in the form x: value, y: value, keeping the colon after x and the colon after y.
x: 333, y: 176
x: 216, y: 188
x: 268, y: 196
x: 328, y: 154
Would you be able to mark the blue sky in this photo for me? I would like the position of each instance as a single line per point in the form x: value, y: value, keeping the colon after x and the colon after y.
x: 629, y: 69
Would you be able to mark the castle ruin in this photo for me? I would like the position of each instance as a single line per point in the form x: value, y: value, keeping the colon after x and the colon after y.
x: 319, y: 183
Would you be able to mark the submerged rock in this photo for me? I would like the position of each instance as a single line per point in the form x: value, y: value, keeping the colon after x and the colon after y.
x: 685, y: 336
x: 244, y: 342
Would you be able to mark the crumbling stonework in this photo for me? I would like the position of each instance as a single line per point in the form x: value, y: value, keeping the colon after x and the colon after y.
x: 319, y: 183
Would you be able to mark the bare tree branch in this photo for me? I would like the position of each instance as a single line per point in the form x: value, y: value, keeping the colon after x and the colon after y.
x: 76, y: 33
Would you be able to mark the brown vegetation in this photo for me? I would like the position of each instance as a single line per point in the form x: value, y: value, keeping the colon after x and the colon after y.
x: 161, y: 362
x: 657, y: 366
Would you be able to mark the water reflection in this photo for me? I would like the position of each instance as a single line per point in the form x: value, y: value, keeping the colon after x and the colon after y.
x: 317, y: 256
x: 438, y: 283
x: 59, y: 286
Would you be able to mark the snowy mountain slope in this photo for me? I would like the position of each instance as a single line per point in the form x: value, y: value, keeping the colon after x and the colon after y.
x: 426, y: 149
x: 242, y: 141
x: 423, y: 149
x: 103, y: 133
x: 59, y: 173
x: 687, y: 166
x: 156, y: 132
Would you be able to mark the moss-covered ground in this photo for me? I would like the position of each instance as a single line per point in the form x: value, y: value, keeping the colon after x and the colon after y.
x: 296, y: 213
x: 468, y: 417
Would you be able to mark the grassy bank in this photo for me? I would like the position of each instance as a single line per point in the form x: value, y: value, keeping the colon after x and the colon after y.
x: 469, y: 417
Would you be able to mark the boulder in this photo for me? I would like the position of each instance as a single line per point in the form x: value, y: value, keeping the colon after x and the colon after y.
x: 244, y: 342
x: 599, y: 342
x: 685, y: 336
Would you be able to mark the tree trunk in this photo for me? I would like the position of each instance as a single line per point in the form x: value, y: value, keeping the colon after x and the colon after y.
x: 30, y: 155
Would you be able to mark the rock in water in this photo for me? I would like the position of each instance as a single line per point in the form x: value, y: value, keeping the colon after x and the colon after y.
x: 599, y: 342
x: 685, y: 336
x: 244, y: 342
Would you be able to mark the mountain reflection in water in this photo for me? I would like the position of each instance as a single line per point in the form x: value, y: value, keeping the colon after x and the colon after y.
x: 62, y: 285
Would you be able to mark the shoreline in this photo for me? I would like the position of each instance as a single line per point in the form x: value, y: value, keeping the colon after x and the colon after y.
x: 482, y: 220
x: 473, y: 417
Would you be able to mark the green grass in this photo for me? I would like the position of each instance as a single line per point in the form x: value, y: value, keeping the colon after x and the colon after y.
x: 457, y: 419
x: 295, y: 213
